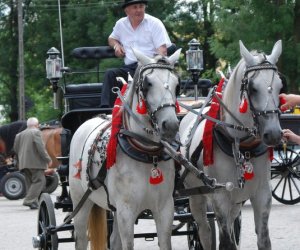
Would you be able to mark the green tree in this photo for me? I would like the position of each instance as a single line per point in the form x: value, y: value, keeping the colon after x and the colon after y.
x: 259, y: 24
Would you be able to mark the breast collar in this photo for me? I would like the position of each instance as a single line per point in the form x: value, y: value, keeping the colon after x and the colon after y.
x: 252, y: 147
x: 126, y: 141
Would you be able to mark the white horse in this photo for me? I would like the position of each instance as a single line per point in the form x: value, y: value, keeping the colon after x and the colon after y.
x: 139, y: 160
x: 238, y: 152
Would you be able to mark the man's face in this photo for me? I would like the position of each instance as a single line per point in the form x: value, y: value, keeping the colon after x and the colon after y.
x: 136, y: 12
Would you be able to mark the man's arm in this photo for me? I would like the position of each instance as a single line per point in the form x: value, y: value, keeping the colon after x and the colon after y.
x: 40, y: 146
x: 119, y: 50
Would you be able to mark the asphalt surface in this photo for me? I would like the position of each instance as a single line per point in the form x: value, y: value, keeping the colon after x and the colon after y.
x: 18, y: 224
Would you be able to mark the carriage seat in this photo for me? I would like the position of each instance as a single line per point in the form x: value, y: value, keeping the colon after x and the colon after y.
x: 84, y: 95
x: 99, y: 52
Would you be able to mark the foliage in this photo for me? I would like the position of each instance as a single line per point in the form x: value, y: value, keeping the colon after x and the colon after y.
x: 216, y: 24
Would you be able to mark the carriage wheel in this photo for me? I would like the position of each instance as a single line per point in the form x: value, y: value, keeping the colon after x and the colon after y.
x: 46, y: 219
x: 51, y: 183
x: 285, y: 176
x: 193, y: 239
x: 13, y: 186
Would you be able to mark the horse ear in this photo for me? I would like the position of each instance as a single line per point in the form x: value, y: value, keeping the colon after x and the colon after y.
x: 142, y: 58
x: 276, y: 52
x: 248, y: 57
x: 175, y: 57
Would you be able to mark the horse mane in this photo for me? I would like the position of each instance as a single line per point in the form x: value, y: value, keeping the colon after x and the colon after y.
x: 8, y: 133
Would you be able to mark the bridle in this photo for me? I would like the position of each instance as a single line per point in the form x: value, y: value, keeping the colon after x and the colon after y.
x: 141, y: 90
x: 265, y: 65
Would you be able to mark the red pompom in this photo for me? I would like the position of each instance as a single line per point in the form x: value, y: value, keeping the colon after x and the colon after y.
x: 156, y: 176
x: 248, y: 176
x: 243, y: 106
x: 141, y: 107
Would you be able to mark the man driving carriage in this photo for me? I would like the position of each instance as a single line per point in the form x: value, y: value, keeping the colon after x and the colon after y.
x: 139, y: 30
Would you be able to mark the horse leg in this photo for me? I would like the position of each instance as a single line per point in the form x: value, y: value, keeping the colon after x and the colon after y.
x: 163, y: 219
x: 125, y: 218
x: 115, y: 240
x: 225, y: 218
x: 198, y: 206
x: 80, y: 226
x: 262, y: 207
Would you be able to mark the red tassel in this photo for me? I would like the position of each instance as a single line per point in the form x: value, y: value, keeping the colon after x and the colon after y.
x: 116, y: 124
x: 248, y: 176
x: 156, y: 176
x: 177, y: 107
x: 271, y: 154
x: 78, y: 165
x: 243, y: 106
x: 141, y: 107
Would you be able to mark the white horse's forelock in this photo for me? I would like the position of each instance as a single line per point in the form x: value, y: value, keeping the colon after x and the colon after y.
x: 232, y: 89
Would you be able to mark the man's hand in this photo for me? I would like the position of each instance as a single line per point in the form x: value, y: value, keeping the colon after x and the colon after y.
x: 119, y: 50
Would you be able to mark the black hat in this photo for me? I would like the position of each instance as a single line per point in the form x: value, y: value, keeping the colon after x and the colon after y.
x: 130, y: 2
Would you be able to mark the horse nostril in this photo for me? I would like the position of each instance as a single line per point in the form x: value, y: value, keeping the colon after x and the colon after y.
x: 171, y: 126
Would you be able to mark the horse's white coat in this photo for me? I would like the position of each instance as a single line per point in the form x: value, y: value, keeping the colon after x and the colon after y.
x: 128, y: 180
x: 226, y: 204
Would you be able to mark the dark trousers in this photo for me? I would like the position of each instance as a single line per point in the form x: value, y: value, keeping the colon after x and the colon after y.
x: 107, y: 97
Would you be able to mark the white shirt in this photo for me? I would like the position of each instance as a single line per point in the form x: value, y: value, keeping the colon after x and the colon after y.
x: 147, y: 37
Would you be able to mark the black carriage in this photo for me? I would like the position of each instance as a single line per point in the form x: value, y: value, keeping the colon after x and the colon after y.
x: 12, y: 182
x: 82, y: 102
x: 285, y: 168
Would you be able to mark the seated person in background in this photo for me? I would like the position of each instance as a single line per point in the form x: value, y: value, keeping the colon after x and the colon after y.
x: 137, y: 30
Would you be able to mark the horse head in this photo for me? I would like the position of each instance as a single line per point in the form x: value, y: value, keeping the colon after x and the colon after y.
x: 261, y: 86
x: 155, y: 84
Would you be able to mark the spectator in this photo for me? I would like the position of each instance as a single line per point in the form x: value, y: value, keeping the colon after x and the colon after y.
x: 137, y: 30
x: 33, y: 160
x: 290, y: 101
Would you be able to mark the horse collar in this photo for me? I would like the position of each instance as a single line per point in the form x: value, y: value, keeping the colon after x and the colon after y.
x: 255, y: 149
x: 126, y: 140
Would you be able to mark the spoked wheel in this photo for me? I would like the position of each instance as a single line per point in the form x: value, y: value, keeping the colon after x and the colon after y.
x: 46, y: 220
x: 193, y: 239
x: 285, y: 175
x: 13, y: 186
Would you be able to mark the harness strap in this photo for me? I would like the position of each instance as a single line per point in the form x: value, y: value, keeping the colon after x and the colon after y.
x: 197, y: 190
x: 76, y: 210
x: 199, y: 115
x: 218, y: 122
x: 140, y: 138
x: 131, y: 113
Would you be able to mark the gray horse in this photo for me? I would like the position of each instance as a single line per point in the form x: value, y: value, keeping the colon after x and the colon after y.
x: 240, y: 148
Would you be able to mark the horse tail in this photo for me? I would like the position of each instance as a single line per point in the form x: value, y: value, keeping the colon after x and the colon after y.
x: 97, y: 228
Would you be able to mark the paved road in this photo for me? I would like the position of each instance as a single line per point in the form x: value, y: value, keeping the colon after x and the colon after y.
x: 18, y: 224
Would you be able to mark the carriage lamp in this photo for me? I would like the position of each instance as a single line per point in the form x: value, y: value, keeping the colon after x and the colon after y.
x: 53, y: 70
x: 194, y: 59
